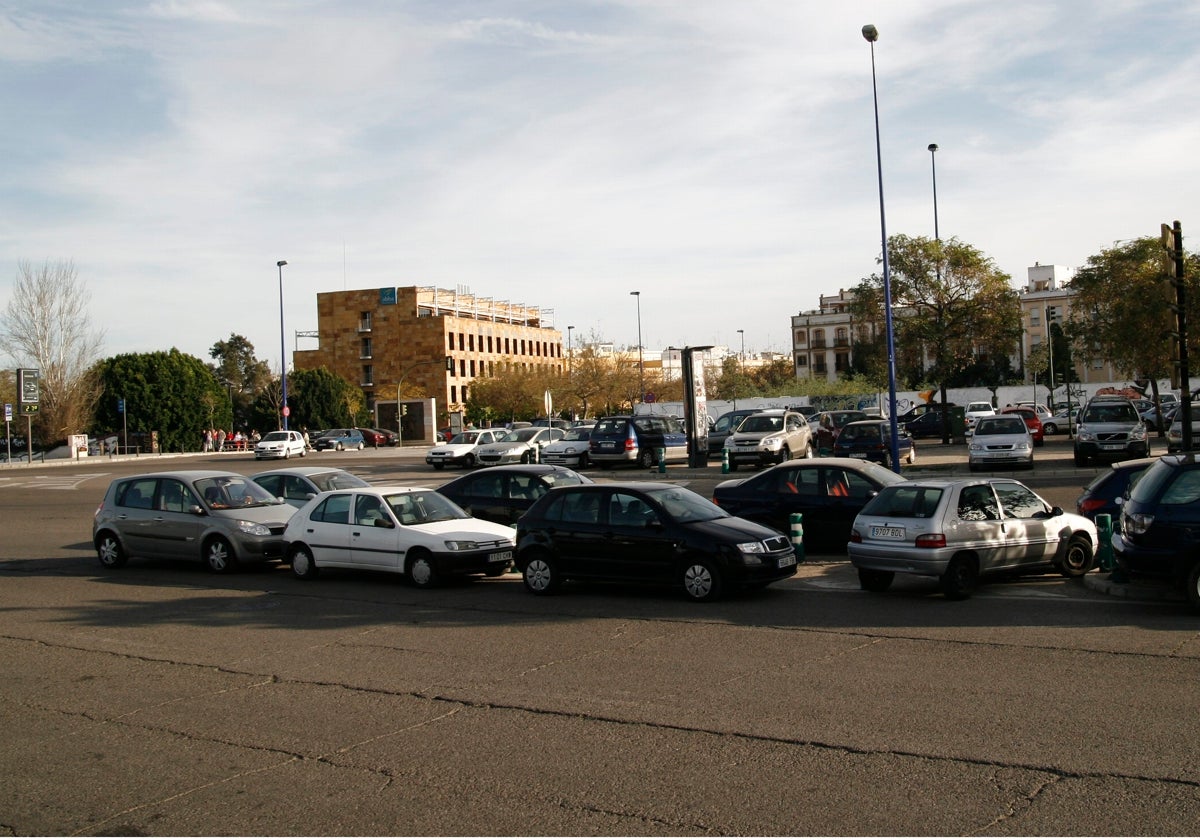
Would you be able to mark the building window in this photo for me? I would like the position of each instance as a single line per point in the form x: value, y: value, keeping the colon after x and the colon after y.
x: 818, y: 338
x: 842, y: 336
x: 471, y: 342
x: 801, y: 360
x: 801, y: 336
x: 364, y: 321
x: 365, y: 350
x: 368, y: 375
x: 489, y: 344
x: 472, y: 367
x: 841, y: 362
x: 453, y: 394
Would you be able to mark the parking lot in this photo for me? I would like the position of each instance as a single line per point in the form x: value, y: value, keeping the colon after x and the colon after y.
x: 159, y: 699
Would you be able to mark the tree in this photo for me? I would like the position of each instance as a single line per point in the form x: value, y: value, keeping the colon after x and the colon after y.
x: 171, y: 393
x: 1121, y: 309
x: 321, y: 399
x: 952, y: 304
x: 46, y: 326
x: 241, y: 373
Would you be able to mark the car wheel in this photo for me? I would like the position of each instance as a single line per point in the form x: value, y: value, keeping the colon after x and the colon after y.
x: 912, y: 455
x: 701, y: 581
x: 469, y: 461
x: 526, y: 457
x: 110, y: 552
x: 301, y: 560
x: 875, y: 580
x: 421, y: 572
x: 645, y: 458
x: 339, y: 446
x: 1078, y: 559
x: 958, y: 581
x: 1049, y: 429
x: 785, y: 454
x: 808, y: 450
x: 1193, y: 587
x: 287, y: 453
x: 540, y: 575
x: 1080, y: 460
x: 219, y: 556
x: 584, y: 462
x: 303, y: 452
x: 732, y: 465
x: 360, y: 447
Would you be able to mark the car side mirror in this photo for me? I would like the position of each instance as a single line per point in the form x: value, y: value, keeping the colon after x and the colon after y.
x: 1056, y: 511
x: 196, y: 510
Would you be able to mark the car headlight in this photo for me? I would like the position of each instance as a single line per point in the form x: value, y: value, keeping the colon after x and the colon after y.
x: 462, y: 545
x: 771, y: 442
x: 1022, y: 446
x: 975, y: 447
x: 254, y: 529
x: 749, y: 552
x: 1138, y: 433
x: 1084, y: 434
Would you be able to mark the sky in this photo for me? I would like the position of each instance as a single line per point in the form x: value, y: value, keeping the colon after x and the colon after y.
x: 718, y: 156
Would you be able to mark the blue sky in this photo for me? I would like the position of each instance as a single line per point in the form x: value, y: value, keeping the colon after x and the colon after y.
x: 719, y: 157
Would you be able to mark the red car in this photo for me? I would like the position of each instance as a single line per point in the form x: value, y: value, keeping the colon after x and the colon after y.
x: 1032, y: 422
x: 377, y: 437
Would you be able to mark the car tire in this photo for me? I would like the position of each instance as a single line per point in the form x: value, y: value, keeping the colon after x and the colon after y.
x: 540, y: 574
x: 960, y: 577
x: 912, y: 455
x: 1080, y: 460
x: 360, y: 447
x: 732, y: 465
x: 338, y: 446
x: 469, y: 461
x: 1079, y: 558
x: 875, y: 580
x: 809, y: 452
x: 420, y: 570
x: 218, y: 556
x: 1049, y: 429
x: 301, y: 560
x: 701, y: 581
x: 645, y: 458
x: 287, y: 453
x: 110, y: 551
x: 1193, y: 587
x: 584, y: 462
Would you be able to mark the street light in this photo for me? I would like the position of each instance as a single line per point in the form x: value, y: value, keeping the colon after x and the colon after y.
x: 570, y: 350
x: 282, y: 348
x: 872, y: 35
x: 933, y: 147
x: 641, y: 364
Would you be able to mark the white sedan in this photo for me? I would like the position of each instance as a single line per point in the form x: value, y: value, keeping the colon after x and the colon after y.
x: 460, y: 451
x: 412, y: 531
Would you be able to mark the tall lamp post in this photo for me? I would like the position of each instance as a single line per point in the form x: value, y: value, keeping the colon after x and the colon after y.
x: 282, y: 349
x: 641, y: 364
x: 933, y: 147
x: 871, y: 34
x: 570, y: 349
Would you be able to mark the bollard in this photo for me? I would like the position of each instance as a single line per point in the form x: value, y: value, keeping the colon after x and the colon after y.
x: 662, y: 459
x: 796, y: 520
x: 1104, y: 551
x: 724, y: 462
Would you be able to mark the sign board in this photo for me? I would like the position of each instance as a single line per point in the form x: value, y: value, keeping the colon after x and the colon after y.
x: 8, y: 412
x: 387, y: 296
x: 27, y: 385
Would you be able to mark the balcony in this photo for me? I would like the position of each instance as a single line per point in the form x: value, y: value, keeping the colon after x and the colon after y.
x: 818, y: 344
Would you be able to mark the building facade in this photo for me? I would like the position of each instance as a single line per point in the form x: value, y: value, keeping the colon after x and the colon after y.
x: 417, y: 342
x: 1046, y: 299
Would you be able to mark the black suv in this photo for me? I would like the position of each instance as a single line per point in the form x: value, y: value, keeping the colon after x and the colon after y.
x: 1160, y: 525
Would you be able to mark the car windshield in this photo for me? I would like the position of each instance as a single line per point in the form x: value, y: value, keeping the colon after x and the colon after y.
x: 465, y: 437
x: 685, y: 506
x: 232, y: 492
x: 578, y: 434
x: 340, y: 480
x: 522, y: 435
x: 1000, y: 426
x: 906, y: 500
x: 865, y: 434
x: 1119, y: 413
x: 276, y: 436
x: 420, y: 507
x: 563, y: 478
x: 842, y: 418
x: 761, y: 423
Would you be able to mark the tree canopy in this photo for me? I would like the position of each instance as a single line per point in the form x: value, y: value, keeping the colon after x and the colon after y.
x: 318, y: 399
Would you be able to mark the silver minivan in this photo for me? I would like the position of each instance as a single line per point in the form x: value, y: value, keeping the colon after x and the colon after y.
x: 219, y: 518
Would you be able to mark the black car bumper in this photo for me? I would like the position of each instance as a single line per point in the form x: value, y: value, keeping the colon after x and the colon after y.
x: 1141, y: 561
x: 1099, y: 450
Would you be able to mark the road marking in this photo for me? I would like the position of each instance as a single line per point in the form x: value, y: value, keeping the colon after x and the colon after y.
x: 48, y: 482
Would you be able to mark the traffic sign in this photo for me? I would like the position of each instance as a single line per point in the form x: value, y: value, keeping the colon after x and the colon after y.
x: 8, y: 412
x: 287, y: 411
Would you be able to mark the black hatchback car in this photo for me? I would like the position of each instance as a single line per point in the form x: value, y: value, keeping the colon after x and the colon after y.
x: 646, y: 532
x: 1160, y: 525
x: 502, y: 494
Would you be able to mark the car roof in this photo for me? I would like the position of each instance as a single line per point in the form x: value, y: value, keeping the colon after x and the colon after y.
x: 303, y: 471
x: 184, y: 475
x: 384, y: 489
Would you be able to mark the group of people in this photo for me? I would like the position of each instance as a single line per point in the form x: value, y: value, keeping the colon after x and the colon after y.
x: 218, y: 440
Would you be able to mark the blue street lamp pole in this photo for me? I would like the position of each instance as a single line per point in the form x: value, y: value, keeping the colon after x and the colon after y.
x: 282, y: 348
x: 872, y: 35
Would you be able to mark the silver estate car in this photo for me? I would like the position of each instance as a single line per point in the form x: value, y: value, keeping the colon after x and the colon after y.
x: 959, y: 529
x: 219, y: 518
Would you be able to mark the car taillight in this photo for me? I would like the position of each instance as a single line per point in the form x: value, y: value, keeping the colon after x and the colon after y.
x: 630, y: 444
x: 1089, y: 505
x: 931, y: 541
x: 855, y: 537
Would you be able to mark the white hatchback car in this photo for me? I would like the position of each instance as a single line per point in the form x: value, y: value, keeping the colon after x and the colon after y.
x: 1003, y: 440
x: 413, y: 531
x: 957, y: 530
x: 280, y: 444
x: 460, y: 451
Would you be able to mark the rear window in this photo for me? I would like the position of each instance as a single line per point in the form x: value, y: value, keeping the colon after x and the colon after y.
x: 904, y: 501
x: 611, y: 426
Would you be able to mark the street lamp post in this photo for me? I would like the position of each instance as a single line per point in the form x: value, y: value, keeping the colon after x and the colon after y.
x: 282, y: 348
x: 570, y: 349
x: 871, y: 34
x: 933, y: 147
x: 641, y: 364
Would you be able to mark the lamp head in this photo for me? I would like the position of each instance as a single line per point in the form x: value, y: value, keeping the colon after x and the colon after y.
x: 636, y: 294
x: 281, y: 263
x: 933, y: 147
x: 870, y: 33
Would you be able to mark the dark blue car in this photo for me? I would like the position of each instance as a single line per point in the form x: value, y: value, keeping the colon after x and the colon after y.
x: 872, y: 441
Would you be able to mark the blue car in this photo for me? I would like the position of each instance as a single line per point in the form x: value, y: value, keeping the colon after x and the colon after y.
x: 872, y: 441
x: 340, y: 439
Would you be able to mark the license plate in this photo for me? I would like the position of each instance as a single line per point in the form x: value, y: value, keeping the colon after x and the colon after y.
x: 1112, y: 446
x: 880, y: 532
x: 862, y: 455
x: 790, y: 560
x: 607, y: 444
x: 497, y: 556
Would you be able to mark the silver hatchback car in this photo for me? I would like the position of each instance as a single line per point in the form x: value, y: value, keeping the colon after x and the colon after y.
x: 959, y: 529
x: 221, y: 519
